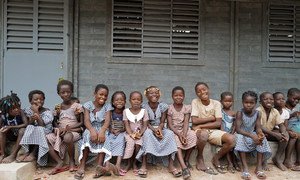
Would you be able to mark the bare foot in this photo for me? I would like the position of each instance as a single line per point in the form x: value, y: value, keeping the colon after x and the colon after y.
x: 265, y: 166
x: 200, y: 166
x: 9, y: 159
x: 29, y: 158
x: 279, y: 164
x: 72, y: 166
x: 21, y: 157
x: 1, y: 158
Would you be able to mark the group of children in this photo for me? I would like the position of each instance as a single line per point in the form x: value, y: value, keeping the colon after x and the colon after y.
x: 152, y: 131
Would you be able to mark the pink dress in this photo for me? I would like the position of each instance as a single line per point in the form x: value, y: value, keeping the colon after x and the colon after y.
x: 135, y: 123
x: 177, y: 121
x: 66, y: 117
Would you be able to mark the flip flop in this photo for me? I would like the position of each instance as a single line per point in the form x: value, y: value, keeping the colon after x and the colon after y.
x: 142, y: 173
x: 79, y: 175
x: 186, y: 173
x: 28, y: 159
x: 220, y: 169
x: 114, y: 169
x: 260, y: 175
x: 21, y: 158
x: 101, y: 171
x: 295, y: 168
x: 136, y: 172
x: 246, y: 176
x: 209, y: 170
x: 175, y: 172
x: 188, y: 165
x: 59, y: 170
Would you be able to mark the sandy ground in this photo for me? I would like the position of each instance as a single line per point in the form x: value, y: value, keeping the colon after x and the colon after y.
x: 161, y: 173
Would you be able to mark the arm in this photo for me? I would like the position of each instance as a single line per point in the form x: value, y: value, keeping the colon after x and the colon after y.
x: 238, y: 121
x: 170, y: 124
x: 200, y: 121
x: 24, y: 119
x: 144, y: 127
x: 127, y: 127
x: 88, y: 125
x: 209, y: 125
x: 101, y: 133
x: 186, y: 123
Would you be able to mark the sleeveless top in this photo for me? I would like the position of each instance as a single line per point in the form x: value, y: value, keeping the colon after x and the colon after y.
x: 248, y: 122
x: 227, y: 121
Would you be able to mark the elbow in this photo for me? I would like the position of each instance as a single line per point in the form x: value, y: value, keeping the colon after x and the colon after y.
x: 218, y: 124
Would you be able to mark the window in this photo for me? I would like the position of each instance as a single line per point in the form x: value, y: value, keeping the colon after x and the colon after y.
x: 284, y: 33
x: 151, y: 29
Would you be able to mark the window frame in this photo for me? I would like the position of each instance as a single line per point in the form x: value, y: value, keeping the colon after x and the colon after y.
x: 155, y: 61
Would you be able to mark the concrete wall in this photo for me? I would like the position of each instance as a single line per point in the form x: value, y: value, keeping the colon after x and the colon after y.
x: 94, y: 35
x: 1, y: 46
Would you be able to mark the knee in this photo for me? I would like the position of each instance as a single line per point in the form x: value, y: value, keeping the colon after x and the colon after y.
x: 68, y: 138
x: 202, y: 136
x: 21, y: 131
x: 229, y: 139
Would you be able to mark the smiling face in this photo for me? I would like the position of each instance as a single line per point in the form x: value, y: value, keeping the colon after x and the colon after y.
x: 227, y: 102
x: 38, y: 100
x: 202, y: 92
x: 136, y: 100
x: 267, y: 101
x: 101, y: 96
x: 65, y: 92
x: 249, y: 103
x: 293, y: 99
x: 119, y: 101
x: 279, y: 100
x: 178, y: 97
x: 153, y: 95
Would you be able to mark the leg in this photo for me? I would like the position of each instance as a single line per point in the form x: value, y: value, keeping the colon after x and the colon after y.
x: 172, y: 168
x: 244, y: 161
x: 297, y: 163
x: 2, y: 145
x: 288, y: 153
x: 229, y: 161
x: 68, y: 139
x: 56, y: 158
x: 136, y: 150
x: 259, y: 168
x: 228, y: 143
x: 31, y: 156
x: 202, y: 137
x: 187, y: 158
x: 80, y: 172
x: 142, y: 172
x: 16, y: 148
x: 180, y: 158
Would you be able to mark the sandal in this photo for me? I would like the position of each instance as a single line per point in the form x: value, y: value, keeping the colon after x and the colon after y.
x: 79, y: 174
x: 295, y: 168
x: 246, y: 176
x: 101, y: 171
x: 142, y: 173
x: 231, y: 169
x: 209, y: 170
x: 57, y: 170
x: 220, y: 169
x: 175, y: 172
x: 186, y: 173
x: 188, y: 165
x: 260, y: 175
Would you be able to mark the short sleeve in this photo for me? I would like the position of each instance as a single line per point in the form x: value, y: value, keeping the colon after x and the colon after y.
x: 218, y: 109
x: 187, y: 109
x: 163, y: 107
x: 146, y: 116
x: 195, y: 109
x: 125, y: 118
x: 77, y: 108
x: 47, y: 117
x: 278, y: 119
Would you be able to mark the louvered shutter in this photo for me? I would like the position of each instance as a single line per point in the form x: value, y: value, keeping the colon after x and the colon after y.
x: 36, y: 25
x: 185, y: 25
x: 156, y: 29
x: 127, y: 28
x: 19, y: 25
x: 284, y: 33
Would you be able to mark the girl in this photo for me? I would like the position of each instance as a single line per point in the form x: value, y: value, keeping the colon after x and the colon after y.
x: 136, y: 122
x: 97, y: 114
x: 40, y: 124
x: 68, y: 126
x: 228, y: 117
x: 116, y: 137
x: 293, y: 128
x: 178, y: 121
x: 249, y: 135
x: 158, y: 140
x: 13, y: 123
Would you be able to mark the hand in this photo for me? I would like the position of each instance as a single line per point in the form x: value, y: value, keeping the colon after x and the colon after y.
x: 57, y: 110
x: 182, y: 139
x: 295, y: 114
x: 62, y: 131
x: 280, y: 137
x: 67, y: 128
x: 293, y: 134
x: 101, y: 137
x: 35, y: 108
x: 158, y: 133
x: 5, y: 129
x: 56, y: 131
x: 256, y: 139
x: 138, y: 135
x: 93, y: 136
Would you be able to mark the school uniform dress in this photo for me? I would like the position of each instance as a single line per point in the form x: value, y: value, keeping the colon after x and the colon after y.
x: 153, y: 145
x: 116, y: 142
x: 273, y: 119
x: 227, y: 122
x: 135, y: 123
x: 294, y: 122
x: 97, y: 120
x: 178, y: 121
x: 36, y: 135
x: 66, y: 117
x: 245, y: 143
x: 17, y: 120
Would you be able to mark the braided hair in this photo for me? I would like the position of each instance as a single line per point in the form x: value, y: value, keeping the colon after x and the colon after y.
x: 8, y: 102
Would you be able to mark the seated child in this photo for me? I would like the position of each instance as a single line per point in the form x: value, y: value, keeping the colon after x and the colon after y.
x: 136, y: 122
x: 293, y: 127
x: 40, y: 120
x: 13, y: 123
x: 270, y: 118
x: 178, y: 121
x: 249, y: 136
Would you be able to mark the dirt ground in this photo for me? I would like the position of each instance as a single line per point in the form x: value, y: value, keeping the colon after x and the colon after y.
x: 161, y: 173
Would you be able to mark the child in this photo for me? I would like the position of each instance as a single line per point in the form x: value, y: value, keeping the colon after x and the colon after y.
x: 136, y: 122
x: 228, y: 117
x: 68, y: 126
x: 270, y: 118
x: 158, y: 141
x: 178, y: 121
x: 97, y: 114
x: 13, y: 124
x: 116, y: 137
x: 207, y: 118
x: 40, y: 124
x: 293, y: 127
x: 249, y: 135
x: 279, y: 104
